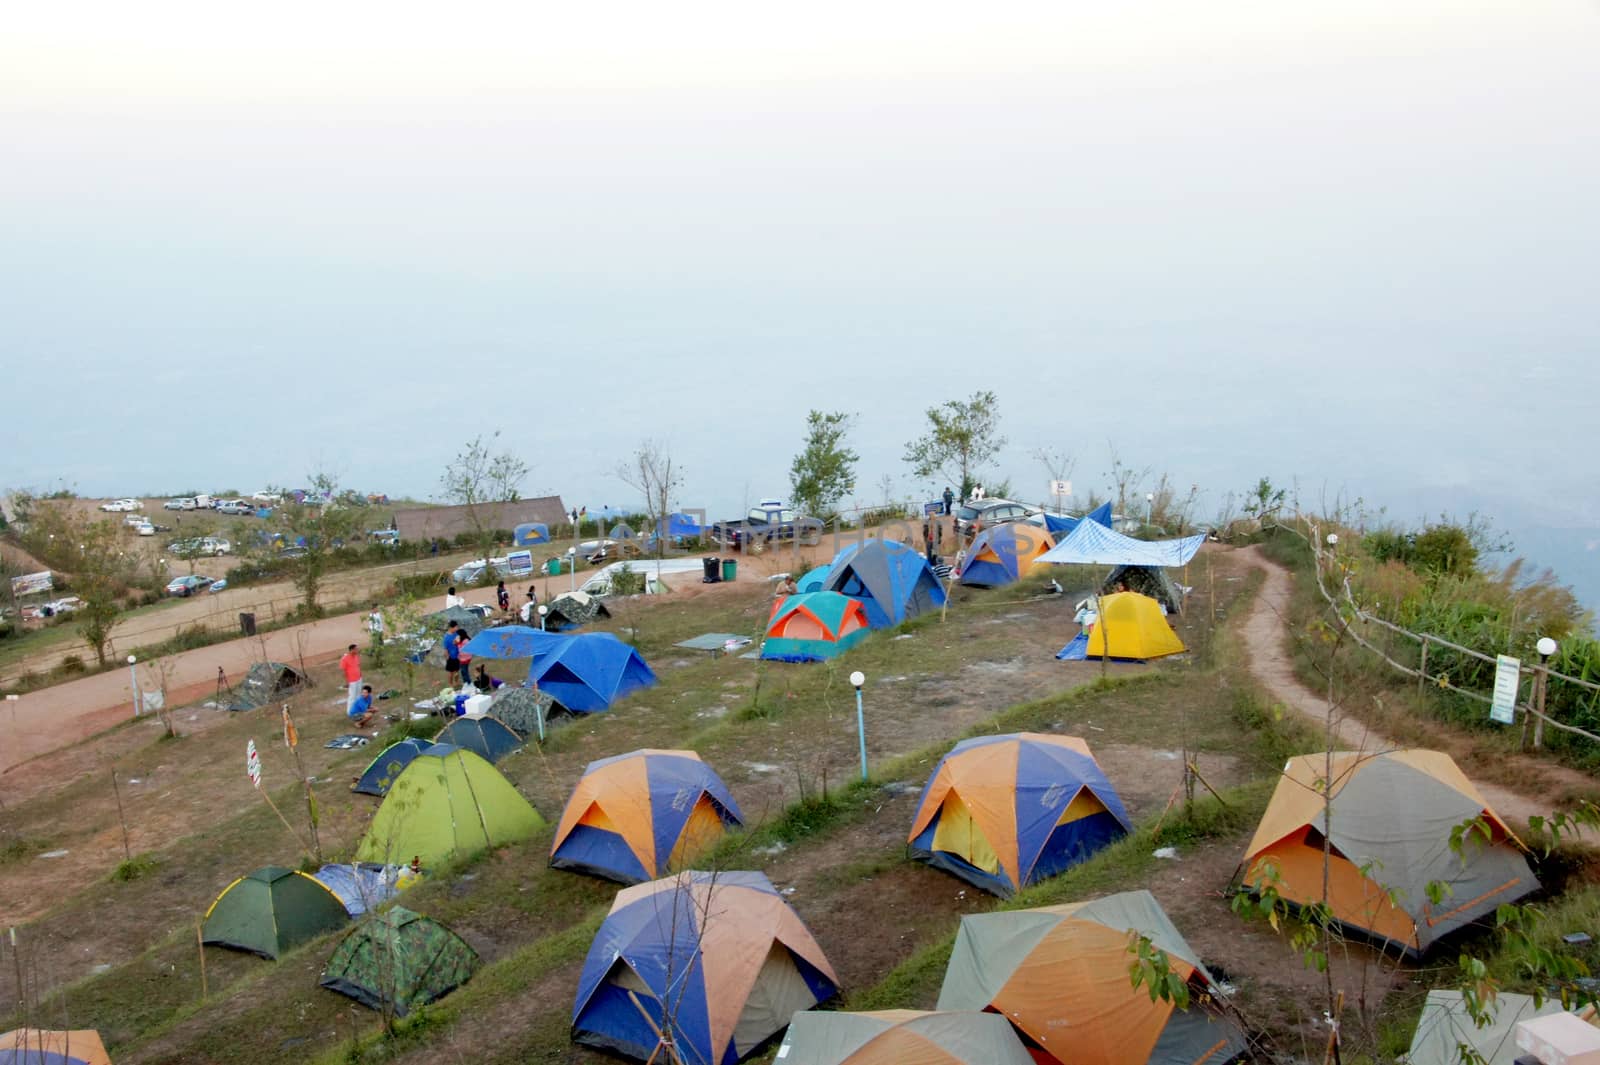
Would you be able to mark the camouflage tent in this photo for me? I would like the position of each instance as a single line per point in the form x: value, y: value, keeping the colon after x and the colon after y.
x: 521, y: 707
x: 571, y: 609
x: 434, y: 624
x: 399, y: 959
x: 265, y: 683
x: 1147, y: 580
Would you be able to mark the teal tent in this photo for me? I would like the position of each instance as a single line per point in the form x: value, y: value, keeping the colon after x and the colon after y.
x: 814, y: 627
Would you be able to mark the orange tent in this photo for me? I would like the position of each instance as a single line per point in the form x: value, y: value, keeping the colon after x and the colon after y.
x: 1059, y: 974
x: 1389, y: 821
x: 33, y: 1044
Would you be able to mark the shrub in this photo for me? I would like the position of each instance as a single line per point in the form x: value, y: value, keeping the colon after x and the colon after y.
x: 134, y: 868
x: 71, y: 665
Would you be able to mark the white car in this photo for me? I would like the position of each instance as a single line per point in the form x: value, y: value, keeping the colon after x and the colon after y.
x: 120, y: 506
x: 183, y: 503
x: 145, y: 528
x: 235, y: 506
x: 267, y: 497
x: 136, y: 520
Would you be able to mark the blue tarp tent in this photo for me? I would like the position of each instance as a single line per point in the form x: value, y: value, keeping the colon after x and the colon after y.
x: 1059, y: 524
x: 512, y: 641
x: 679, y: 524
x: 893, y: 582
x: 590, y: 671
x: 1094, y: 545
x: 531, y: 533
x: 387, y: 766
x: 361, y: 887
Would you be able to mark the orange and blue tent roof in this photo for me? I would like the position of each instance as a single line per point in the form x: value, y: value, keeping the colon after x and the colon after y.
x: 1005, y: 811
x: 813, y: 626
x: 589, y: 672
x: 720, y: 959
x: 635, y: 816
x: 1004, y: 553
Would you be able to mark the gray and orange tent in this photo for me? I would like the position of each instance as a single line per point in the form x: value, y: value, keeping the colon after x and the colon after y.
x: 1059, y: 974
x: 1389, y: 826
x: 36, y: 1046
x: 715, y: 962
x: 897, y: 1037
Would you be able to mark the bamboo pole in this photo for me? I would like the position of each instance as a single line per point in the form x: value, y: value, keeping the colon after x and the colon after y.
x: 127, y: 851
x: 200, y: 941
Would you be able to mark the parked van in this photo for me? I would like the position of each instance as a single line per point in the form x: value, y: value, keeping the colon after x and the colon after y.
x: 674, y: 572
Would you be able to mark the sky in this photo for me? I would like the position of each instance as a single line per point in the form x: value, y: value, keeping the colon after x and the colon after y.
x: 1352, y: 247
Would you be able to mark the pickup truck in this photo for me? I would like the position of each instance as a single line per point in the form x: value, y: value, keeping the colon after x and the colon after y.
x: 768, y: 522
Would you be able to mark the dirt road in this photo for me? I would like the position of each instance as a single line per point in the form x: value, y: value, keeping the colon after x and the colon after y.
x: 1266, y: 636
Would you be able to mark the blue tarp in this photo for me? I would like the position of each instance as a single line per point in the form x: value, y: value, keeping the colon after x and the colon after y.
x: 1077, y: 650
x: 679, y: 524
x: 1059, y: 524
x: 589, y: 672
x: 1095, y: 545
x: 361, y: 887
x: 512, y: 641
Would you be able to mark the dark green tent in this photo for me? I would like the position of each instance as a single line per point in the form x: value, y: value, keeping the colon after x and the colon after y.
x: 399, y: 957
x: 272, y: 910
x: 265, y: 682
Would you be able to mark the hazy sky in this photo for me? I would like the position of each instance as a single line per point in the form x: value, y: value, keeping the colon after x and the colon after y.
x: 1355, y: 244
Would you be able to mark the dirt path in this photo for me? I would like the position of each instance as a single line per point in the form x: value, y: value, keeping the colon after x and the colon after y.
x: 1271, y: 664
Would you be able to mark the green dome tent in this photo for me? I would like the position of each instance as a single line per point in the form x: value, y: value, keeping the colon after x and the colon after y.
x: 270, y: 911
x: 446, y: 802
x: 400, y: 958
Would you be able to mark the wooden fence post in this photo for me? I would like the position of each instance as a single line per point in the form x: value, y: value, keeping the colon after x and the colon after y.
x: 1542, y: 679
x: 1422, y: 670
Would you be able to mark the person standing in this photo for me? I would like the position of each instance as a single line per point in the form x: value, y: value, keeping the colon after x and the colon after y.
x: 949, y: 498
x: 452, y: 664
x: 463, y: 659
x: 350, y: 665
x: 503, y: 598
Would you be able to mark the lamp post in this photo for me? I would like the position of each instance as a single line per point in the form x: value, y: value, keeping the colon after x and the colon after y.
x: 133, y: 682
x: 857, y: 679
x: 543, y: 610
x: 11, y: 701
x: 572, y: 569
x: 1149, y: 507
x: 1546, y: 647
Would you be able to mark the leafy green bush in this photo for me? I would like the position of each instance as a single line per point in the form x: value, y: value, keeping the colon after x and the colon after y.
x: 140, y: 865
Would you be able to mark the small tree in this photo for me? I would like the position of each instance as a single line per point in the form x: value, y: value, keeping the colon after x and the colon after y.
x: 654, y: 474
x: 963, y: 437
x: 88, y: 551
x: 317, y: 525
x: 479, y: 478
x: 825, y: 470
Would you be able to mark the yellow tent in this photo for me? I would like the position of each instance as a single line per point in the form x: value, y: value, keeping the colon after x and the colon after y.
x: 1135, y: 627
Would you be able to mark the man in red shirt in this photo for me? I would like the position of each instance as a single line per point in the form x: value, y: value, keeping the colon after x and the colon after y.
x: 350, y: 664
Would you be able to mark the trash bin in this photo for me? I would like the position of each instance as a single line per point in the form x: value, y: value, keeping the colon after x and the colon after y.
x: 553, y: 567
x: 713, y: 567
x: 247, y: 624
x: 730, y: 568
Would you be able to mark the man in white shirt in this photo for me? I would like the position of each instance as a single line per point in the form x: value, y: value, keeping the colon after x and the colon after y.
x: 452, y: 599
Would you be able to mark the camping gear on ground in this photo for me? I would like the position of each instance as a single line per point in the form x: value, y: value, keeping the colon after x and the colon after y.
x: 349, y: 741
x: 1392, y: 815
x: 893, y: 1037
x: 447, y: 802
x: 382, y: 770
x: 813, y: 627
x: 1131, y: 626
x: 892, y: 581
x: 38, y: 1046
x: 529, y: 534
x: 589, y: 672
x: 813, y: 579
x: 264, y: 683
x: 1445, y: 1027
x: 715, y: 642
x: 1059, y: 525
x: 572, y: 609
x: 489, y: 739
x: 271, y: 911
x: 511, y: 641
x: 718, y: 958
x: 1002, y: 554
x: 1002, y: 812
x: 642, y: 815
x: 1146, y: 580
x: 521, y: 707
x: 362, y: 887
x: 1093, y: 544
x: 1060, y: 975
x: 401, y: 959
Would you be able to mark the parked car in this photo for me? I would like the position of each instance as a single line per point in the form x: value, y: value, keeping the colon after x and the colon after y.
x: 989, y: 512
x: 60, y: 606
x: 235, y: 506
x: 181, y: 503
x: 660, y: 575
x: 121, y: 506
x: 219, y: 584
x: 267, y: 497
x: 183, y: 587
x: 292, y: 552
x: 136, y: 520
x: 767, y: 522
x: 145, y: 528
x: 200, y: 545
x: 390, y: 537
